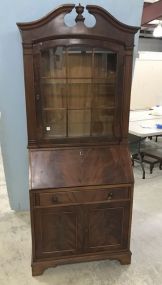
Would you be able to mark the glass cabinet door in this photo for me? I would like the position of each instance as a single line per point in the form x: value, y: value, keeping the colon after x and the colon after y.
x: 53, y: 92
x: 79, y: 72
x: 77, y: 92
x: 103, y: 101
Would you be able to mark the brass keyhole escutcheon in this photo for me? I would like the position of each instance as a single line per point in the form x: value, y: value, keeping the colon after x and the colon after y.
x: 81, y: 153
x: 110, y: 196
x: 55, y: 199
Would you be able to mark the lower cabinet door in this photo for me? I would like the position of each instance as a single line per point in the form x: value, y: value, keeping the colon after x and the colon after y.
x: 107, y: 227
x: 73, y: 230
x: 57, y: 231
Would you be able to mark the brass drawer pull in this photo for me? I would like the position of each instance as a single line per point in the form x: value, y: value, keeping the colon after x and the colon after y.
x: 81, y: 153
x: 110, y: 196
x: 37, y: 97
x: 54, y: 199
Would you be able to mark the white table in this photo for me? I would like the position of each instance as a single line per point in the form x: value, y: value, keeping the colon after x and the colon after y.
x: 143, y: 124
x: 140, y: 115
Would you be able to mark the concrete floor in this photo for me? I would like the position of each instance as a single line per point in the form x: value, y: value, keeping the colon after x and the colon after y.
x: 146, y: 244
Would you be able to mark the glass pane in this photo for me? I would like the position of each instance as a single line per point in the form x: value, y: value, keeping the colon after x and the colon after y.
x: 104, y: 88
x: 79, y: 62
x: 79, y: 123
x: 55, y: 123
x: 105, y: 65
x: 103, y: 95
x: 79, y: 94
x: 102, y: 122
x: 53, y: 62
x: 53, y: 93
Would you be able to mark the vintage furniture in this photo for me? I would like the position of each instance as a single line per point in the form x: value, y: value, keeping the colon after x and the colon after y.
x: 77, y: 86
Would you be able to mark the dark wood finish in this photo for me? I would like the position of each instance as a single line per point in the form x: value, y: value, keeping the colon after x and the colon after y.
x: 38, y: 267
x: 117, y: 37
x: 72, y: 230
x: 78, y: 195
x: 62, y: 235
x: 79, y: 10
x: 88, y: 166
x: 77, y: 87
x: 107, y: 226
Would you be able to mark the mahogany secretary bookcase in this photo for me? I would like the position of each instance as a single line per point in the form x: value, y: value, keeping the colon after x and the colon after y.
x: 77, y: 87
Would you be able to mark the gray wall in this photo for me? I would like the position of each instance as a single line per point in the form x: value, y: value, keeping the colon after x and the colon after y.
x: 150, y: 44
x: 13, y: 133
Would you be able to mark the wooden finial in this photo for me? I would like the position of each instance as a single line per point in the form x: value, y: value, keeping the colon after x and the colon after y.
x: 79, y: 9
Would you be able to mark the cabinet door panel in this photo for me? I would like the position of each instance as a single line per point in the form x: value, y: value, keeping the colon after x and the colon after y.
x: 107, y: 226
x: 58, y: 231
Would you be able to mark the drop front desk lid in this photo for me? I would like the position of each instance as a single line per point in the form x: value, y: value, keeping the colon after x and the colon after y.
x: 70, y: 167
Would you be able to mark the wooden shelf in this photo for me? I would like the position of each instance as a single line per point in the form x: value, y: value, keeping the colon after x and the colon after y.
x: 75, y: 78
x: 79, y: 109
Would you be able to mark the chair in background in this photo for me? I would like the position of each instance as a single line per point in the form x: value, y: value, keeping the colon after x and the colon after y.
x: 135, y: 150
x: 152, y: 153
x: 143, y: 151
x: 156, y: 139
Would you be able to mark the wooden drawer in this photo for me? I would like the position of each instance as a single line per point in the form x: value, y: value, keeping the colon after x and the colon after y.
x: 44, y: 198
